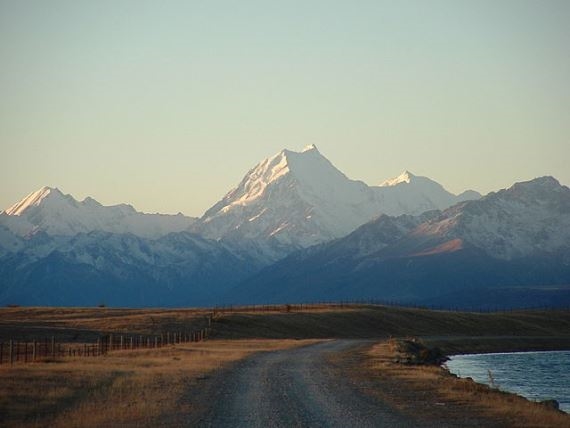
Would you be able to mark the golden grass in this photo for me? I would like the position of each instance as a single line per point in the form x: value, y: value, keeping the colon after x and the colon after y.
x: 80, y: 321
x: 125, y: 388
x: 432, y: 393
x: 153, y: 387
x: 381, y: 321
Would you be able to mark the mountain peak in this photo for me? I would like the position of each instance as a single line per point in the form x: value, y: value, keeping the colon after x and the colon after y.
x: 306, y: 166
x: 404, y: 177
x: 310, y: 147
x: 34, y: 199
x: 540, y: 188
x: 545, y: 182
x: 55, y: 213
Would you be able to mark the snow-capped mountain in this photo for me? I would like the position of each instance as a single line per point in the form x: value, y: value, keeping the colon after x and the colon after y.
x: 529, y: 218
x: 300, y: 199
x: 411, y: 194
x: 49, y: 210
x: 86, y: 269
x: 499, y: 245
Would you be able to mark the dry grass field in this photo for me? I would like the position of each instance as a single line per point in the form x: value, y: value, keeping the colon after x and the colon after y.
x: 433, y: 393
x: 154, y: 387
x: 123, y: 388
x: 87, y: 324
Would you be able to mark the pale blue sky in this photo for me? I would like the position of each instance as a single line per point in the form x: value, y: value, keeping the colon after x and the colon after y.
x: 167, y: 104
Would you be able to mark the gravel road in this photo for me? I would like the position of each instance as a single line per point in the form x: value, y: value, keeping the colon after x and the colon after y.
x: 295, y: 388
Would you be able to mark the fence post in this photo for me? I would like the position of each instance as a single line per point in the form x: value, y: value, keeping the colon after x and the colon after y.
x: 53, y: 346
x: 1, y: 352
x: 110, y: 341
x: 122, y: 342
x: 11, y: 351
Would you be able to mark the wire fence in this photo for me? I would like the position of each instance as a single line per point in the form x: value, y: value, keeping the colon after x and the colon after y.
x: 48, y: 348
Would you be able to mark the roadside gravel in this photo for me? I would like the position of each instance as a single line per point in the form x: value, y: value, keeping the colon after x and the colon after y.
x: 293, y: 388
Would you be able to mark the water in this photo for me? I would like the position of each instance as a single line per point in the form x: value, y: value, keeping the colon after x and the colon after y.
x: 534, y: 375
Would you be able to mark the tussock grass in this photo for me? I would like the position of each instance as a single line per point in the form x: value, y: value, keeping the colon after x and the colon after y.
x: 86, y: 324
x: 523, y: 330
x: 124, y: 388
x: 157, y: 386
x: 432, y: 393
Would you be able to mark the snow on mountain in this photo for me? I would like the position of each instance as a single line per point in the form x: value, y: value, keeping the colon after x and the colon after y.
x: 49, y: 210
x: 404, y: 177
x: 298, y: 199
x: 179, y: 269
x: 498, y: 245
x: 528, y: 218
x: 301, y: 199
x: 411, y: 194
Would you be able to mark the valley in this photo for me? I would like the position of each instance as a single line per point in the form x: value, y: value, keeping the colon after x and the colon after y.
x: 353, y: 347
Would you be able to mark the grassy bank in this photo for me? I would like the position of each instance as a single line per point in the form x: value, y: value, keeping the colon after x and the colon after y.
x: 432, y: 394
x: 155, y: 386
x: 128, y: 388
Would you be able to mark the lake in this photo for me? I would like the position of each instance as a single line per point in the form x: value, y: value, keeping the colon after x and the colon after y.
x: 534, y: 375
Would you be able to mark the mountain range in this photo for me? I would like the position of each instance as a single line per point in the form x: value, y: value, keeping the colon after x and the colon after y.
x: 295, y: 229
x: 302, y: 199
x: 50, y: 211
x: 508, y: 242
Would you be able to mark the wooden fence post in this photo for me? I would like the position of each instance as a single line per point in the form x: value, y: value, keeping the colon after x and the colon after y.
x: 1, y: 352
x: 53, y: 346
x: 11, y: 351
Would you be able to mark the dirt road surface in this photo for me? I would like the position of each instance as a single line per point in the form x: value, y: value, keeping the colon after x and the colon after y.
x: 295, y: 388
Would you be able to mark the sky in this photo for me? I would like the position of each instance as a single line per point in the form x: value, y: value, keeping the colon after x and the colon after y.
x: 167, y: 104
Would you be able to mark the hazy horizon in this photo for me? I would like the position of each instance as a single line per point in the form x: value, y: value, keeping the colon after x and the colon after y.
x: 167, y: 105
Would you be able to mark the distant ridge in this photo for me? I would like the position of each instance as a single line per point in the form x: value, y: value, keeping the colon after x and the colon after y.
x: 51, y: 211
x: 300, y: 199
x: 498, y: 245
x: 295, y: 229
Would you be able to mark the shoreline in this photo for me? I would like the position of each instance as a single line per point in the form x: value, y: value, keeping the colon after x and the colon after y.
x: 494, y: 381
x: 510, y: 352
x: 468, y: 345
x: 432, y: 393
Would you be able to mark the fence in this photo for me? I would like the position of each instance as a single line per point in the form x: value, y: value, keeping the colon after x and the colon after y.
x: 41, y: 350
